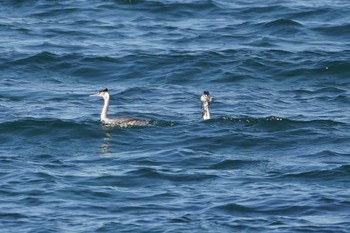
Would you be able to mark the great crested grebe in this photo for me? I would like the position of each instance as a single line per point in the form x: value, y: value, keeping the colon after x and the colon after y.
x: 120, y: 121
x: 206, y: 99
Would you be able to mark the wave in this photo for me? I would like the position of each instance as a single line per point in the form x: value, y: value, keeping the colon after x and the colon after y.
x: 340, y: 173
x: 64, y: 60
x: 260, y: 9
x: 159, y: 68
x: 142, y: 176
x: 277, y: 120
x: 178, y: 8
x: 340, y: 31
x: 63, y: 129
x: 230, y: 164
x: 74, y: 65
x: 283, y: 27
x: 31, y: 122
x: 329, y: 154
x: 322, y: 90
x: 282, y: 23
x: 42, y: 61
x: 35, y: 126
x: 325, y: 94
x: 56, y: 128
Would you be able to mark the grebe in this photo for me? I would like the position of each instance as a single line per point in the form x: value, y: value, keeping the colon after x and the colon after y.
x: 121, y: 121
x: 206, y: 99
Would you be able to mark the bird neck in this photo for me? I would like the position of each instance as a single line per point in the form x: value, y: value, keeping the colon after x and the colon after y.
x: 105, y: 109
x: 206, y: 111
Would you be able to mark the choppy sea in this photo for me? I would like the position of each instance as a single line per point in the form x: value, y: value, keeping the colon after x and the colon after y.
x: 61, y: 170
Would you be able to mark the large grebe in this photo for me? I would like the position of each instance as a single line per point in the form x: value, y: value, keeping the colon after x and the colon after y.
x: 120, y: 121
x: 206, y: 99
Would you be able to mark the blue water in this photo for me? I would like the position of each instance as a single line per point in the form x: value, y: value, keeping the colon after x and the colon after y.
x: 241, y: 171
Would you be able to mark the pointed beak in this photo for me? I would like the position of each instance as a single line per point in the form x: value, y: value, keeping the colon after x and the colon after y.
x: 97, y: 94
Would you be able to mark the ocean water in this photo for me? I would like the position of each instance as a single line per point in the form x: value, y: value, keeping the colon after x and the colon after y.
x: 61, y: 170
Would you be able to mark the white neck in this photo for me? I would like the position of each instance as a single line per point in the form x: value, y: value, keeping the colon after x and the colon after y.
x: 206, y: 112
x: 104, y: 111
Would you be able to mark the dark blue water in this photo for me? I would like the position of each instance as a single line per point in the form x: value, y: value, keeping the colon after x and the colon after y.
x: 241, y: 171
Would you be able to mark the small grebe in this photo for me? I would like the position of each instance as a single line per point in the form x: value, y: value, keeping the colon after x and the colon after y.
x: 121, y: 121
x: 206, y: 99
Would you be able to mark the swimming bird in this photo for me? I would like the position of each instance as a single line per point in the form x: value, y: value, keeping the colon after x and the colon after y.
x: 120, y: 121
x: 206, y: 99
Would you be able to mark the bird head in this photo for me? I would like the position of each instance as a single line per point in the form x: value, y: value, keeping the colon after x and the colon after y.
x: 104, y: 93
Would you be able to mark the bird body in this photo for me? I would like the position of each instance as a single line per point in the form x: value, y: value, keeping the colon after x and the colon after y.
x: 120, y: 121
